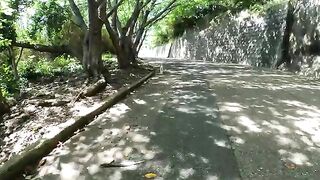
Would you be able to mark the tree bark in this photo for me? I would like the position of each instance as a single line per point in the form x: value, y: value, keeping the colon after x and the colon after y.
x: 127, y: 39
x: 77, y: 17
x: 14, y: 63
x: 92, y: 45
x: 125, y: 53
x: 141, y: 42
x: 43, y: 48
x: 4, y: 107
x: 285, y: 46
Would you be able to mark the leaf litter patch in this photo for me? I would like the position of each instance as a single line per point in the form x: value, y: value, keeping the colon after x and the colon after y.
x: 46, y: 107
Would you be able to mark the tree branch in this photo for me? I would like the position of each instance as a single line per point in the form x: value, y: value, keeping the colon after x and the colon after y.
x: 134, y: 21
x: 141, y: 41
x: 131, y: 23
x: 161, y: 17
x: 104, y: 18
x: 77, y: 17
x: 114, y: 8
x: 140, y: 31
x: 114, y: 21
x: 170, y: 6
x: 115, y: 24
x: 145, y: 24
x: 20, y: 54
x: 43, y: 48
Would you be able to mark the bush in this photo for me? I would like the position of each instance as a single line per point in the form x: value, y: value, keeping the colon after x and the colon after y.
x: 161, y: 38
x: 8, y: 84
x: 34, y: 68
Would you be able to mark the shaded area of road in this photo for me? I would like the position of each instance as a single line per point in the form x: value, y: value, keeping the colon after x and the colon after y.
x: 273, y: 119
x: 172, y: 124
x: 202, y: 121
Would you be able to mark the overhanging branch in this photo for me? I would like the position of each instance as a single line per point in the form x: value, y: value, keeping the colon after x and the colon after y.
x: 114, y: 8
x: 170, y: 6
x: 43, y: 48
x: 77, y: 17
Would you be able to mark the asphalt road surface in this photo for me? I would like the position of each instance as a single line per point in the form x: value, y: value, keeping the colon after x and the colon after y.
x: 201, y: 121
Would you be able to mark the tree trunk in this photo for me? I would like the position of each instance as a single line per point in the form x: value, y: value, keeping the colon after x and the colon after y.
x: 43, y: 48
x: 4, y: 107
x: 92, y: 48
x: 285, y: 46
x: 14, y: 63
x: 125, y: 54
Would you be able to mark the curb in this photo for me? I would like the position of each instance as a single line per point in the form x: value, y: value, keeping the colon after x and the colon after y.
x: 17, y: 165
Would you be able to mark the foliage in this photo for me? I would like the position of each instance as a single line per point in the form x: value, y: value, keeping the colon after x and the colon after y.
x: 262, y: 8
x: 7, y: 31
x: 109, y: 61
x: 35, y: 67
x: 190, y: 14
x: 48, y: 21
x: 107, y: 57
x: 7, y: 34
x: 163, y: 35
x: 8, y: 84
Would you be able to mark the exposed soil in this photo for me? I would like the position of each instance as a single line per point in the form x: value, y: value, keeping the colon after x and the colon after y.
x: 46, y: 107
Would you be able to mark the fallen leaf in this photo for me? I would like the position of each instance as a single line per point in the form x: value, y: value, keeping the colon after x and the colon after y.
x: 42, y: 162
x: 290, y: 165
x: 150, y: 175
x: 108, y: 163
x: 127, y: 127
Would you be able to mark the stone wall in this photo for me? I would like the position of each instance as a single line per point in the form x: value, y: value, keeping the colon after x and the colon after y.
x: 305, y: 38
x: 157, y: 52
x: 243, y: 38
x: 247, y: 38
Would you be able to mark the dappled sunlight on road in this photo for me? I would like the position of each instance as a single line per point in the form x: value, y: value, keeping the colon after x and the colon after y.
x: 189, y: 122
x: 273, y: 119
x: 172, y: 125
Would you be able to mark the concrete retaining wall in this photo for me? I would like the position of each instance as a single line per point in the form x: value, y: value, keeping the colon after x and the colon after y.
x: 247, y: 38
x: 305, y: 38
x: 243, y: 38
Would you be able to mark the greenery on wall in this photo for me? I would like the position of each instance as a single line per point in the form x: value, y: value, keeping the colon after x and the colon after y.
x: 192, y: 14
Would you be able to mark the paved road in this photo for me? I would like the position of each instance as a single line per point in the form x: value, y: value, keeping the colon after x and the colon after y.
x: 202, y: 121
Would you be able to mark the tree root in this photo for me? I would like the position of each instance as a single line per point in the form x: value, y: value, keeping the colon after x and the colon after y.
x: 91, y: 91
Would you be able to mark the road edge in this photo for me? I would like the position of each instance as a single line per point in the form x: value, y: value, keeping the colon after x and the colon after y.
x: 18, y: 164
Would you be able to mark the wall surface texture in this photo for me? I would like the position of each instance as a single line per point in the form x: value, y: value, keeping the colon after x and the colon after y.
x: 305, y: 37
x: 247, y: 38
x: 243, y: 38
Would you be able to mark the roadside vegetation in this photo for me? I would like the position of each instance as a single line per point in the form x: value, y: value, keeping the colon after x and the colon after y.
x: 60, y: 58
x: 194, y: 14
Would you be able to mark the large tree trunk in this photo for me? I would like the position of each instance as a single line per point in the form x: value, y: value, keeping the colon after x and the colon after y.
x: 285, y: 46
x: 92, y: 46
x: 4, y: 107
x: 125, y: 53
x: 92, y: 53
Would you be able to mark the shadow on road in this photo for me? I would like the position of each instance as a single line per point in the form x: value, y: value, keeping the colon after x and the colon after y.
x: 172, y: 124
x: 274, y: 122
x: 178, y: 125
